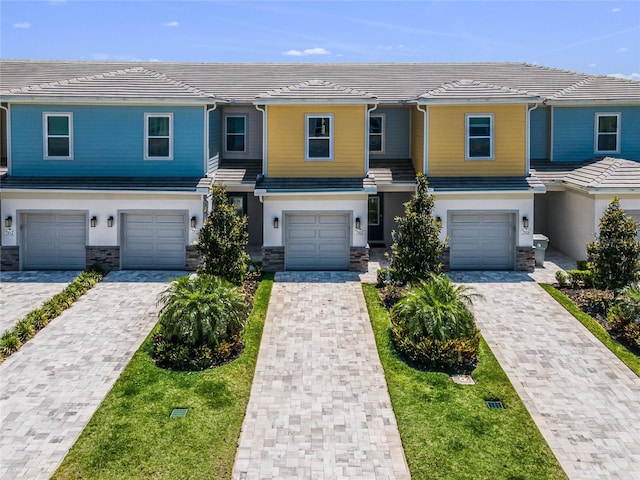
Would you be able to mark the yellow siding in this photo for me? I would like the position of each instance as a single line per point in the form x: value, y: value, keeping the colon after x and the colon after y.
x: 417, y: 139
x: 286, y: 142
x: 447, y: 142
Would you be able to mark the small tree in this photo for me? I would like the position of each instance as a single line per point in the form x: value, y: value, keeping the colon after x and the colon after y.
x: 613, y: 257
x: 222, y: 240
x: 416, y: 247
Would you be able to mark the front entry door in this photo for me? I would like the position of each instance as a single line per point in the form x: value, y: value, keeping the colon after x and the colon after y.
x: 376, y: 228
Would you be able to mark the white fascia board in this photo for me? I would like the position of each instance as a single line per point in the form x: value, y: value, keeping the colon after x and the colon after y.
x: 408, y: 187
x: 484, y: 192
x: 593, y: 103
x: 316, y: 101
x: 197, y: 192
x: 478, y: 101
x: 262, y: 192
x: 614, y: 191
x: 38, y: 99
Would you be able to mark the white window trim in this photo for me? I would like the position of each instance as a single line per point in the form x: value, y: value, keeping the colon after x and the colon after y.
x: 148, y: 115
x: 383, y: 123
x: 597, y: 133
x: 45, y: 135
x: 468, y: 116
x: 226, y: 134
x: 307, y: 117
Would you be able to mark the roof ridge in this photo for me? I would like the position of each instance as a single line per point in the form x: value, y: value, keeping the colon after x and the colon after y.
x: 177, y: 83
x: 613, y: 166
x: 67, y: 81
x: 314, y: 83
x: 573, y: 86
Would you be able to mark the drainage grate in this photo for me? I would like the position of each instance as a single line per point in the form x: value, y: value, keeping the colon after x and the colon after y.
x: 494, y: 404
x: 179, y: 413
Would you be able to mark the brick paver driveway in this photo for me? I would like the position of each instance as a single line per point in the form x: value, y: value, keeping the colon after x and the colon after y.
x: 319, y: 404
x: 585, y: 401
x: 51, y: 387
x: 21, y: 292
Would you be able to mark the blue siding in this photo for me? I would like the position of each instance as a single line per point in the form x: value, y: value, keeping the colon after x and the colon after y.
x: 397, y: 133
x: 539, y: 137
x: 215, y: 140
x: 108, y: 141
x: 574, y: 131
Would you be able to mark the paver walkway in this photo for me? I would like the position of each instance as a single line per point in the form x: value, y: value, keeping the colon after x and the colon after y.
x: 584, y: 400
x: 51, y: 387
x: 319, y: 406
x: 21, y: 292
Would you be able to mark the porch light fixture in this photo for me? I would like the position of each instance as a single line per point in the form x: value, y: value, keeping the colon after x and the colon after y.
x: 525, y: 222
x: 110, y: 221
x: 8, y: 221
x: 439, y: 219
x: 276, y: 222
x: 357, y: 223
x: 194, y: 221
x: 94, y: 221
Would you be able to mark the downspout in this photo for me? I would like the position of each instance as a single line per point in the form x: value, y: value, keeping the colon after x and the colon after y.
x: 366, y: 140
x: 425, y: 139
x: 528, y: 139
x: 264, y: 137
x: 8, y: 131
x: 207, y: 152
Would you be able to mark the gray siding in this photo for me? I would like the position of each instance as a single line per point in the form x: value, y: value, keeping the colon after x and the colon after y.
x: 396, y: 133
x: 539, y: 138
x: 253, y: 145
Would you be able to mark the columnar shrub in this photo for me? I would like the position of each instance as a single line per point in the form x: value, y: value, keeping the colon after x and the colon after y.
x: 201, y: 323
x: 433, y: 325
x: 614, y: 256
x: 416, y: 247
x: 222, y: 240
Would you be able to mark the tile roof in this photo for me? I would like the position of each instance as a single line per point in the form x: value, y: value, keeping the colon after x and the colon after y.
x: 388, y: 82
x: 484, y: 184
x: 309, y: 184
x: 136, y: 82
x: 392, y: 171
x: 238, y: 172
x: 470, y: 90
x: 317, y: 90
x: 600, y: 173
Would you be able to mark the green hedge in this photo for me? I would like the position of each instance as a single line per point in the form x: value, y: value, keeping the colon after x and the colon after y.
x: 37, y: 319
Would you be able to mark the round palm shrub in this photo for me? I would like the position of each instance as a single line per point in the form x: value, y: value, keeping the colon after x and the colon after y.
x: 201, y: 323
x: 433, y: 326
x: 624, y: 316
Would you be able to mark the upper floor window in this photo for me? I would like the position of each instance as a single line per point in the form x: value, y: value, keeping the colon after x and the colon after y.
x: 158, y: 133
x: 607, y: 132
x: 479, y: 137
x: 376, y: 133
x: 235, y: 133
x: 58, y: 135
x: 319, y: 137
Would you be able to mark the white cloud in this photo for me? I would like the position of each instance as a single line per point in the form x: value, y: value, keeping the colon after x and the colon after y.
x: 593, y: 65
x: 632, y: 76
x: 22, y: 25
x: 623, y: 49
x: 615, y: 10
x: 170, y: 24
x: 103, y: 57
x: 307, y: 51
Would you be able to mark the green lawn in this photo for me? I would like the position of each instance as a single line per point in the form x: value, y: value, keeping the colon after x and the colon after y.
x: 630, y: 359
x: 447, y: 430
x: 131, y: 435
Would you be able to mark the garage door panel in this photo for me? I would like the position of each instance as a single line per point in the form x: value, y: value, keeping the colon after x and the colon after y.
x: 482, y: 240
x: 54, y: 241
x: 154, y: 240
x: 317, y: 241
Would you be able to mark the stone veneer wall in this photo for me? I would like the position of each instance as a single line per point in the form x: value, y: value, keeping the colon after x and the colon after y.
x: 9, y: 258
x: 193, y: 258
x: 525, y: 259
x: 359, y: 259
x: 272, y: 259
x: 107, y: 257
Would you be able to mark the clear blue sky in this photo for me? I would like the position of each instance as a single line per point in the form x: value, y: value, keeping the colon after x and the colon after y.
x: 601, y: 37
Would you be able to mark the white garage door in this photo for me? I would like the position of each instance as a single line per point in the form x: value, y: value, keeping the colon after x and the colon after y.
x: 154, y: 240
x: 482, y: 241
x: 54, y: 241
x: 317, y: 241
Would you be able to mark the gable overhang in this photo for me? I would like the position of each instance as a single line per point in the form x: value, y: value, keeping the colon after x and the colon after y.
x: 100, y: 100
x: 261, y: 192
x: 592, y: 103
x: 315, y: 101
x: 477, y: 101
